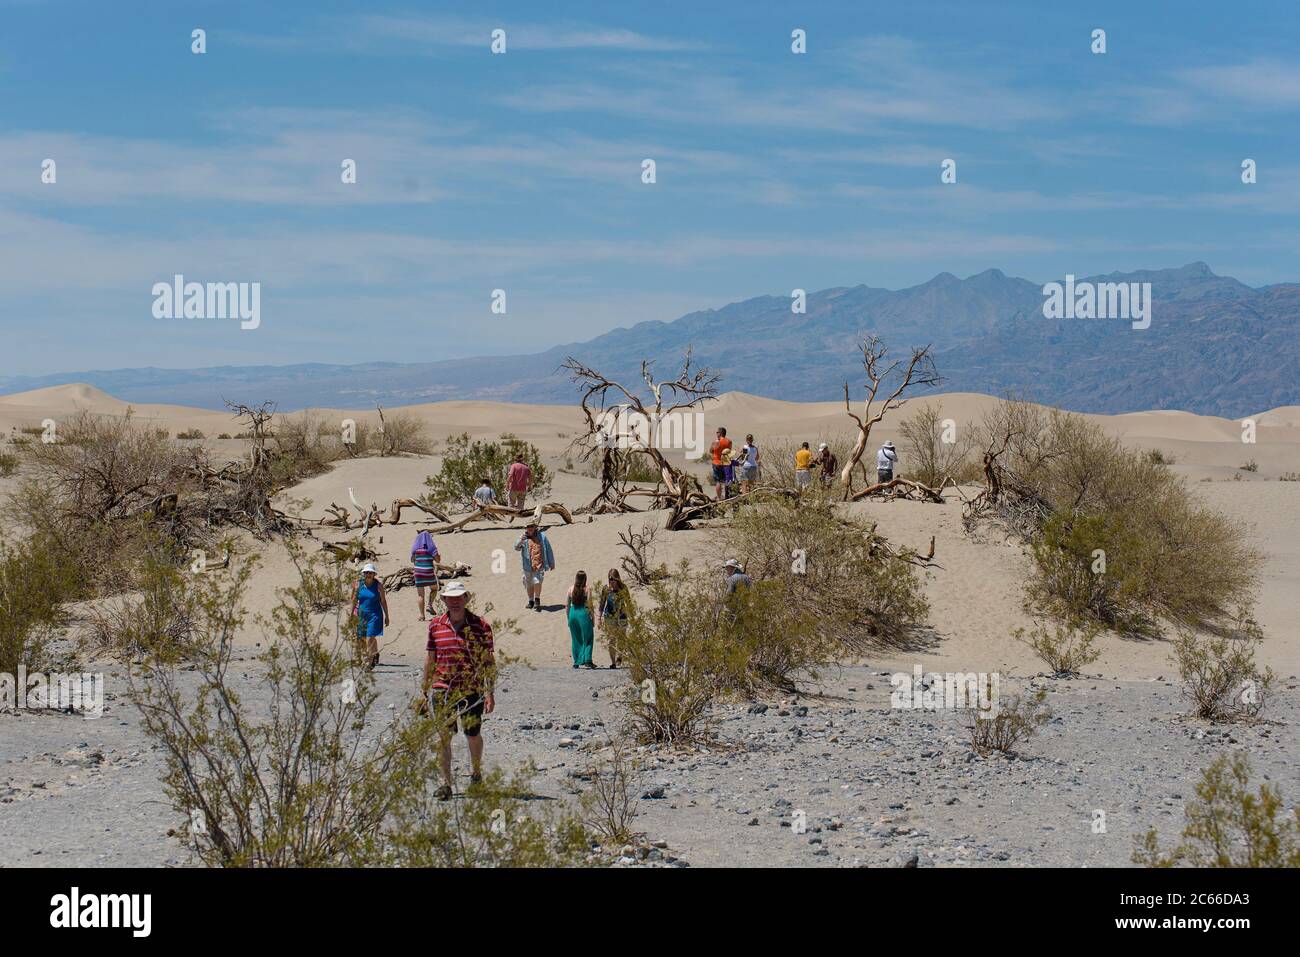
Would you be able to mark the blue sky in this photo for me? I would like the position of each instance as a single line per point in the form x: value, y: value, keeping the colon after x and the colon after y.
x: 522, y: 171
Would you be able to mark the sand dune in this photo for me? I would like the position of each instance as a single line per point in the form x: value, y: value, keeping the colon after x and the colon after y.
x: 976, y: 597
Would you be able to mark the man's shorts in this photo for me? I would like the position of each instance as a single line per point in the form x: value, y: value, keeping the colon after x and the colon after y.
x: 719, y: 474
x: 465, y: 708
x: 534, y: 577
x: 884, y: 475
x: 802, y: 478
x: 516, y: 499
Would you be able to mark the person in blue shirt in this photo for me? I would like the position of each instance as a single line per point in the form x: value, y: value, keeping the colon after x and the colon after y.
x: 370, y: 605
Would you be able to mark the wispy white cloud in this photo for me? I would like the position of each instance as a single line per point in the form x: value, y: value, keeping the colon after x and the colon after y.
x: 422, y: 34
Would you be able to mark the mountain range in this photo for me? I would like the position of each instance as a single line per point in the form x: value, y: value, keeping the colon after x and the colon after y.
x: 1215, y: 346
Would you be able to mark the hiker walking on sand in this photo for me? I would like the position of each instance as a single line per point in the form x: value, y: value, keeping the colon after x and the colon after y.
x: 370, y: 605
x: 484, y: 495
x: 720, y: 444
x: 537, y: 559
x: 459, y: 673
x: 424, y: 567
x: 829, y: 465
x: 748, y: 464
x: 886, y: 461
x: 577, y: 606
x: 802, y: 464
x: 518, y: 481
x: 613, y: 613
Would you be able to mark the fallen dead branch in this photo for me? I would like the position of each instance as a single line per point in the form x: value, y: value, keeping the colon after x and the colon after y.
x: 901, y: 488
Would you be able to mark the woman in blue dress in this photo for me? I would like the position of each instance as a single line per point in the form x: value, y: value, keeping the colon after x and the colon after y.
x: 370, y: 605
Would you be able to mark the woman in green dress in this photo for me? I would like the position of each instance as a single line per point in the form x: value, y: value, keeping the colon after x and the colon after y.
x: 578, y: 605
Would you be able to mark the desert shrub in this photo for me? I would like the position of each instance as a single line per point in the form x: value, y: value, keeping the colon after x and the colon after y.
x: 1015, y: 719
x: 8, y: 464
x: 1289, y: 477
x: 1072, y: 489
x: 832, y: 565
x: 297, y: 770
x: 100, y: 491
x: 465, y: 463
x: 615, y: 790
x: 1159, y: 457
x: 1066, y: 648
x: 500, y: 825
x: 35, y: 581
x: 157, y: 619
x: 930, y: 459
x: 304, y: 444
x: 1219, y: 674
x: 697, y: 645
x: 1228, y: 825
x: 1251, y: 466
x: 36, y: 430
x: 105, y: 468
x: 224, y: 435
x: 402, y: 433
x: 1090, y: 567
x: 188, y: 434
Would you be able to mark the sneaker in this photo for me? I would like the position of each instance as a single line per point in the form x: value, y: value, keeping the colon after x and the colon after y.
x: 538, y: 606
x: 531, y: 602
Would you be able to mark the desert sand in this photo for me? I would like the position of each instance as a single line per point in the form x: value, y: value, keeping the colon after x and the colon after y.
x: 975, y: 596
x: 878, y: 786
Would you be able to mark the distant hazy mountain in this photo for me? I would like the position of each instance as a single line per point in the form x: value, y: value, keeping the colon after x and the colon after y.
x: 1215, y: 346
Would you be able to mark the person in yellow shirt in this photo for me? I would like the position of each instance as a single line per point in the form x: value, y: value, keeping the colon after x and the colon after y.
x: 802, y: 465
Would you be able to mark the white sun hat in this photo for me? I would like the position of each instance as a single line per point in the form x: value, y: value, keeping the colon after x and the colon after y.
x: 821, y: 447
x: 452, y: 589
x: 367, y: 567
x: 731, y: 563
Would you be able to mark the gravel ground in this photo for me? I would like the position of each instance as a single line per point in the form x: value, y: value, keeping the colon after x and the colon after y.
x: 836, y: 779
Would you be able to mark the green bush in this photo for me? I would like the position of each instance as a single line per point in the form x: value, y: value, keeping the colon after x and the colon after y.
x: 466, y: 463
x: 1219, y: 674
x: 191, y: 434
x: 8, y: 464
x: 1065, y: 649
x: 832, y: 565
x: 35, y: 581
x: 696, y: 646
x: 298, y: 769
x: 1073, y: 490
x: 929, y: 459
x: 1090, y: 567
x: 1228, y: 825
x: 1016, y: 719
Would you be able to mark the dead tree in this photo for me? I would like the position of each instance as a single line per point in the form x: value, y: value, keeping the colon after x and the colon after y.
x: 395, y: 510
x: 628, y: 425
x: 637, y: 564
x: 881, y: 374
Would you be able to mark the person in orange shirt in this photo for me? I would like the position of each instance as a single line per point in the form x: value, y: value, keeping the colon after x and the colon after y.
x: 802, y: 463
x: 721, y: 444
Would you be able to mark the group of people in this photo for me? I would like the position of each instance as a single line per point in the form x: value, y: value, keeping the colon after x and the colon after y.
x: 460, y: 665
x: 459, y: 668
x: 738, y: 469
x: 733, y: 467
x: 519, y: 481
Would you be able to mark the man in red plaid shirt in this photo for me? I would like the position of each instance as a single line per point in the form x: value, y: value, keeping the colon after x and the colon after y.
x: 459, y: 671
